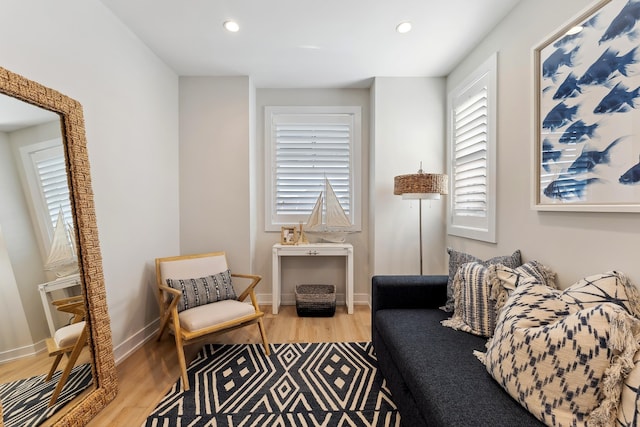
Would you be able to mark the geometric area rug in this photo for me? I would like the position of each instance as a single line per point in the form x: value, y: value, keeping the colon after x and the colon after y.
x: 25, y: 402
x: 299, y: 384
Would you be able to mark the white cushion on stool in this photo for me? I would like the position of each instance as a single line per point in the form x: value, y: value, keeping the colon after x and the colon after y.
x: 68, y: 335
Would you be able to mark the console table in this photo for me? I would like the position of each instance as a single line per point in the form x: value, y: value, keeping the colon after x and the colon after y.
x: 45, y: 294
x: 311, y: 250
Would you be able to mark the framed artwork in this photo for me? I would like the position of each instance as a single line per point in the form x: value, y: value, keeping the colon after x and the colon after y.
x: 587, y: 113
x: 289, y: 235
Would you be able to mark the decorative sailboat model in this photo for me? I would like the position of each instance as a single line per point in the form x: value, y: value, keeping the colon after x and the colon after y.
x: 336, y: 225
x: 62, y: 259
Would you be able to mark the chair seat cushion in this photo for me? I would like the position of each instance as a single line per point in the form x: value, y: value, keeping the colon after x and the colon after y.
x: 68, y: 335
x: 213, y: 314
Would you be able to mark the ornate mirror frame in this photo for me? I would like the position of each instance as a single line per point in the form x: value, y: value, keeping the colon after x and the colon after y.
x: 89, y: 257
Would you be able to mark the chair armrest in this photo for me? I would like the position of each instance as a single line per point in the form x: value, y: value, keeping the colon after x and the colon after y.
x: 176, y: 293
x: 255, y: 279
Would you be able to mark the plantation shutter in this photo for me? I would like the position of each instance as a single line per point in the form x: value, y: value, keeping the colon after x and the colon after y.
x: 304, y: 146
x: 306, y: 153
x: 46, y: 180
x: 52, y: 174
x: 470, y: 156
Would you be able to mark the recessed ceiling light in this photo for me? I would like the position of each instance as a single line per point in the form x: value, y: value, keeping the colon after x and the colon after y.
x: 574, y: 30
x: 403, y: 27
x: 231, y: 26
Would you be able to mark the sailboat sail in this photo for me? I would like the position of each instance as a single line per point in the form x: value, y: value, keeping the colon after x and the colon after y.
x: 62, y: 258
x: 336, y: 222
x: 336, y: 217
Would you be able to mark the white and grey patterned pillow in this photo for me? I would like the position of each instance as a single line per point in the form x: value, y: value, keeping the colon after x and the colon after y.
x: 503, y: 280
x: 629, y: 409
x: 457, y: 259
x: 203, y: 290
x: 564, y: 355
x: 474, y: 311
x: 480, y: 291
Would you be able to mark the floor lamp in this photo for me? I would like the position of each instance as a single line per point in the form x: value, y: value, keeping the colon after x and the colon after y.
x: 421, y: 186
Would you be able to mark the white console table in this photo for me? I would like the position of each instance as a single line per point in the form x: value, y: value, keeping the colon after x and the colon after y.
x: 311, y: 250
x: 45, y: 293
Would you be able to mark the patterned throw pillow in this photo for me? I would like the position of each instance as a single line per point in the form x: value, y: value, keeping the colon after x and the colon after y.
x: 457, y: 259
x: 480, y: 291
x: 564, y: 355
x: 504, y: 280
x: 629, y: 409
x: 203, y: 290
x: 474, y: 312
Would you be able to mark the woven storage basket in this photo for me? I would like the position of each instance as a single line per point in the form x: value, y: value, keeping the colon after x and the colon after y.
x: 316, y: 300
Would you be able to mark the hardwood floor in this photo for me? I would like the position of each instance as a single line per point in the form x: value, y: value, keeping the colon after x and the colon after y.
x: 147, y: 375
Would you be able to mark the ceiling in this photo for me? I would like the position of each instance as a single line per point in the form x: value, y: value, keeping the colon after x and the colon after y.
x: 311, y: 44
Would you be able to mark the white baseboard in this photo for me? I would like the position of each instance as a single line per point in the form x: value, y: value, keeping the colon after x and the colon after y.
x: 25, y: 351
x: 134, y: 342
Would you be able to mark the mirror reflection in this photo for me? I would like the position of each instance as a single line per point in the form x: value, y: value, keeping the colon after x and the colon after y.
x: 44, y: 359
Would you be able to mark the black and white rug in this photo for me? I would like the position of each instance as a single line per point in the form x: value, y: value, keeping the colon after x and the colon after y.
x: 319, y: 384
x: 24, y: 402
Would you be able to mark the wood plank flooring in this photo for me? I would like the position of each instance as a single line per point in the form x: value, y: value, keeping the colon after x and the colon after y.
x: 147, y: 375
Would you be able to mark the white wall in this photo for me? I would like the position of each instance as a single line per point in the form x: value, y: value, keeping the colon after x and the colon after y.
x: 130, y: 101
x: 408, y: 122
x: 574, y: 244
x: 215, y: 168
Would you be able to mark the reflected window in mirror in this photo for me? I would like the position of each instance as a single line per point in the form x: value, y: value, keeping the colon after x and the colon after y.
x: 47, y: 192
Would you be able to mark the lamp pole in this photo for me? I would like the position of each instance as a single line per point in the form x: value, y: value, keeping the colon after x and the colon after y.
x: 420, y: 228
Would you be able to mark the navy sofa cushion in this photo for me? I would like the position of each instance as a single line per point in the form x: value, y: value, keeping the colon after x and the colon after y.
x: 430, y: 369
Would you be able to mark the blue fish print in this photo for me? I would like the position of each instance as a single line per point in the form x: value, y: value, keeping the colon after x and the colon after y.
x: 567, y: 189
x: 623, y: 23
x: 549, y: 154
x: 632, y: 176
x: 577, y: 131
x: 567, y: 39
x: 589, y: 159
x: 559, y: 116
x: 608, y: 63
x: 556, y: 60
x: 618, y: 100
x: 569, y: 88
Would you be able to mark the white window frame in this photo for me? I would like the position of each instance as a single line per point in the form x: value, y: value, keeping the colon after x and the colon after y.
x: 475, y: 227
x: 274, y: 222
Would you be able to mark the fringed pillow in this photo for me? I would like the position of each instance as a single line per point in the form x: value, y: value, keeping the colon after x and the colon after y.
x: 629, y: 408
x: 480, y: 291
x: 203, y: 290
x: 473, y: 312
x: 564, y: 355
x: 457, y: 259
x: 504, y: 279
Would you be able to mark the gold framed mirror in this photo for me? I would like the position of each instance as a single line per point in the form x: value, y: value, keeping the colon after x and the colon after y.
x: 87, y: 244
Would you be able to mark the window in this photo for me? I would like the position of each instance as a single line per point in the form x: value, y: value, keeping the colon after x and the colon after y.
x: 305, y: 145
x: 472, y: 154
x: 46, y: 176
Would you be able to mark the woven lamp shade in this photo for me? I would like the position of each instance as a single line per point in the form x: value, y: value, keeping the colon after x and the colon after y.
x: 421, y: 183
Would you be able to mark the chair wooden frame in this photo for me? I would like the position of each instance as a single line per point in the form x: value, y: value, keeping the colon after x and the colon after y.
x: 73, y: 305
x: 168, y: 299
